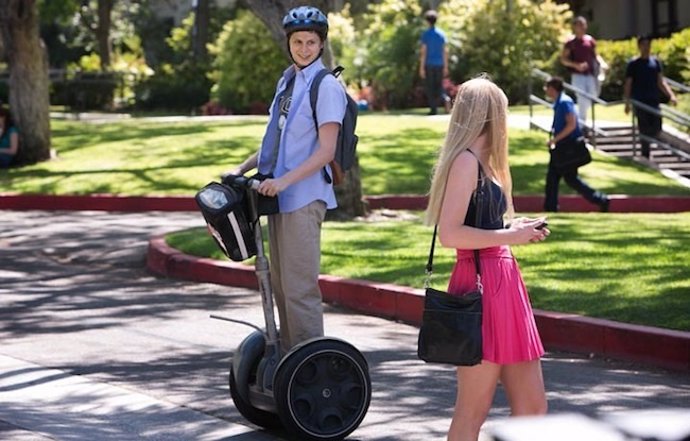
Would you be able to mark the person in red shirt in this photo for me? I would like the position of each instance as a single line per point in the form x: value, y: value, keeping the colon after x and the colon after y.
x: 580, y: 56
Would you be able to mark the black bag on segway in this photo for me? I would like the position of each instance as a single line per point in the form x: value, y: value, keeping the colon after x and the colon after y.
x: 226, y: 211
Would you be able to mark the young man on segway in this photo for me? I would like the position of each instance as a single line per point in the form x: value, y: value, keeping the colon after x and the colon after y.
x: 294, y: 157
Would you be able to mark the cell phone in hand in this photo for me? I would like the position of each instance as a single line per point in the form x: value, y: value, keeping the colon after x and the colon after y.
x: 541, y: 226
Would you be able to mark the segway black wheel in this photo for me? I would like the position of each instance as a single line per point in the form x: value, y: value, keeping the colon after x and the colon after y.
x: 259, y: 417
x: 322, y: 390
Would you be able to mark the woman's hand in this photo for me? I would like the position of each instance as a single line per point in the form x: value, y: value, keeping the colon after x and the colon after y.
x: 523, y: 230
x: 271, y: 187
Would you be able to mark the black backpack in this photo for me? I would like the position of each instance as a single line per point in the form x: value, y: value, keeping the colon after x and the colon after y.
x: 347, y: 140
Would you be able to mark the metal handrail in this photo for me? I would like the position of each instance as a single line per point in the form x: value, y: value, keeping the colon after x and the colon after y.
x: 577, y: 90
x: 663, y: 112
x: 677, y: 85
x: 677, y: 113
x: 682, y: 153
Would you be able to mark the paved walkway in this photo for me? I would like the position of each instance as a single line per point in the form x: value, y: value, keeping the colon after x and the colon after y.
x: 93, y: 345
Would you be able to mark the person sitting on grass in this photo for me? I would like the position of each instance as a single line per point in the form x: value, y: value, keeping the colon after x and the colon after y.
x: 9, y: 139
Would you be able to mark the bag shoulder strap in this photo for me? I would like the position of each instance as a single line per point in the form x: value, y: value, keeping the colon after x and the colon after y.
x: 477, y: 219
x: 314, y: 88
x: 314, y: 93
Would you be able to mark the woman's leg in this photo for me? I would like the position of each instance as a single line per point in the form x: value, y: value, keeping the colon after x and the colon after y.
x: 476, y: 387
x: 524, y: 386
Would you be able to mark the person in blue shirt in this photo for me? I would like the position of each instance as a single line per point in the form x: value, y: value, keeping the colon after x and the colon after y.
x: 9, y: 139
x: 566, y: 129
x: 295, y: 155
x: 644, y: 82
x: 433, y: 63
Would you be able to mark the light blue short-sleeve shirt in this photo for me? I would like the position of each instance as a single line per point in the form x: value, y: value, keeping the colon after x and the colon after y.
x: 299, y: 138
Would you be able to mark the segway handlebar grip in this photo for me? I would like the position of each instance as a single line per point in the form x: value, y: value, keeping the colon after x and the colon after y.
x: 241, y: 181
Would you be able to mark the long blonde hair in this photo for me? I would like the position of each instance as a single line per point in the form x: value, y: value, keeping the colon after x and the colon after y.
x: 480, y: 107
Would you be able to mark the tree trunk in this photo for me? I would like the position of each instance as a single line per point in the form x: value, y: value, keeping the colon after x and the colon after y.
x: 28, y: 84
x: 271, y: 13
x: 201, y: 20
x: 105, y: 8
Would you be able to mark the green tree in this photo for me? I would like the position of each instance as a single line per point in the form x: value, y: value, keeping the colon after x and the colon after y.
x: 28, y: 83
x: 263, y: 58
x: 391, y: 49
x: 505, y: 38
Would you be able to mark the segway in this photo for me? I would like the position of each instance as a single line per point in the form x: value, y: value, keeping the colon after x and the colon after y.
x: 321, y: 389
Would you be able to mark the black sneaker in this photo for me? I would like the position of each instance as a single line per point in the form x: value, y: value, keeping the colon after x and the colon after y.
x: 604, y: 204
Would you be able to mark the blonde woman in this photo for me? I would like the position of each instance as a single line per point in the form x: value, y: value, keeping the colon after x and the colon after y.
x: 474, y: 158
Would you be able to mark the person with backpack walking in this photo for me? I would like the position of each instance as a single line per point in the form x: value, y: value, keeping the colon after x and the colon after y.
x: 644, y: 82
x: 299, y: 143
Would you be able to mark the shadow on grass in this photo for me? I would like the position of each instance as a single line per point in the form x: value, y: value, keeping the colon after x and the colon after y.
x: 170, y: 175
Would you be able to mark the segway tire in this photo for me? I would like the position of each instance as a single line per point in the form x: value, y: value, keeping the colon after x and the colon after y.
x: 259, y: 417
x: 322, y: 390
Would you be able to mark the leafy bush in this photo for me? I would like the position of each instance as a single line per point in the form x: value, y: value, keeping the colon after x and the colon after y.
x: 673, y: 51
x: 616, y: 54
x: 504, y: 41
x: 185, y: 88
x: 390, y: 50
x: 86, y: 90
x: 247, y: 64
x: 342, y: 38
x: 181, y: 84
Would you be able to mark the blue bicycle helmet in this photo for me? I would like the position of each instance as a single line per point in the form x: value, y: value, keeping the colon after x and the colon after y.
x: 306, y: 18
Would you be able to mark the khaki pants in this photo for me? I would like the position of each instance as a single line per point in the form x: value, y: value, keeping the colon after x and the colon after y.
x: 295, y: 253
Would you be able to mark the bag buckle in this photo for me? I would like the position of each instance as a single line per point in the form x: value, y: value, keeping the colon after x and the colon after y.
x: 427, y: 279
x: 480, y: 287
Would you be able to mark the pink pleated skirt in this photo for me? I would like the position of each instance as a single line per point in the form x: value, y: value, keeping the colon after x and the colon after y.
x: 509, y: 331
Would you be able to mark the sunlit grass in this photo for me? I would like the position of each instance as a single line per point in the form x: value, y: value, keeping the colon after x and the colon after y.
x: 630, y: 268
x: 396, y: 150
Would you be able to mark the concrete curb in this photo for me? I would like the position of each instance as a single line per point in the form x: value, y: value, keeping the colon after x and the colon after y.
x: 559, y: 331
x: 106, y: 202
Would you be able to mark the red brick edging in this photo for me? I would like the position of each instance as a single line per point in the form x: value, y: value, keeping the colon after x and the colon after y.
x: 559, y: 331
x: 108, y: 202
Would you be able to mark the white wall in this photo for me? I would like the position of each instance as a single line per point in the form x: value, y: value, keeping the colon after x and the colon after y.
x: 616, y: 19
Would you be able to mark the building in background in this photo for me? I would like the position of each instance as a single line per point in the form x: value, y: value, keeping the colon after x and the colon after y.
x: 621, y: 19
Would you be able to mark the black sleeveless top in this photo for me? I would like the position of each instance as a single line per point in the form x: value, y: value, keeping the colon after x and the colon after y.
x: 489, y: 199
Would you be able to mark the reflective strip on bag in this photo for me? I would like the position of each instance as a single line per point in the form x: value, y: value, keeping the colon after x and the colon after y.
x: 238, y: 234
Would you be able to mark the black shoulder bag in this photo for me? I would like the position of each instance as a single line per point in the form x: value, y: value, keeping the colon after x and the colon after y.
x: 569, y: 154
x: 451, y: 331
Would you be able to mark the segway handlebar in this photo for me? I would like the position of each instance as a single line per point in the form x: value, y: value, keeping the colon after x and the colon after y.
x: 241, y: 181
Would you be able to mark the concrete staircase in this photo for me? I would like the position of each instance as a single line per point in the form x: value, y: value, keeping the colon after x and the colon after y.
x: 618, y: 141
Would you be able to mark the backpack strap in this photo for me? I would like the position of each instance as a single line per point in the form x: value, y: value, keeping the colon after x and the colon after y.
x: 314, y: 97
x: 314, y: 93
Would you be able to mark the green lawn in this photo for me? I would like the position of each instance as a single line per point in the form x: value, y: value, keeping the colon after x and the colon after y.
x: 630, y: 268
x: 397, y: 151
